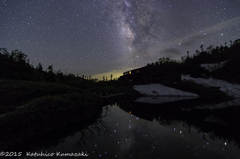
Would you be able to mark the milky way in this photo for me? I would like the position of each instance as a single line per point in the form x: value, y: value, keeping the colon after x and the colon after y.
x: 104, y: 37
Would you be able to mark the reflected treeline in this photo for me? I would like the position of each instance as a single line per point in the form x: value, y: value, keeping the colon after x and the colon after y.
x: 222, y: 122
x: 91, y: 129
x: 96, y: 129
x: 27, y: 141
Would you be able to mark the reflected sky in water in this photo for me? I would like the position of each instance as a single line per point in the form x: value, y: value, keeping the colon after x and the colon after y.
x: 121, y: 134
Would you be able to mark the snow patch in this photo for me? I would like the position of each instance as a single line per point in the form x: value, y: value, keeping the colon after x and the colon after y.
x: 213, y: 66
x: 160, y: 90
x: 230, y: 89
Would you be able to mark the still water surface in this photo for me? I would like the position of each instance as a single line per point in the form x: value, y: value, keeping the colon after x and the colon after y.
x: 125, y: 131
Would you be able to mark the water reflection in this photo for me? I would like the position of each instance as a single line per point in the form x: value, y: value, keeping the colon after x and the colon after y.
x: 139, y: 130
x: 96, y: 129
x: 14, y: 140
x: 222, y: 121
x: 160, y: 100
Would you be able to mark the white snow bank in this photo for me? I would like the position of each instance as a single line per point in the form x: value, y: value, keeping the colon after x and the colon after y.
x: 160, y: 90
x: 160, y: 100
x: 231, y: 89
x: 213, y: 66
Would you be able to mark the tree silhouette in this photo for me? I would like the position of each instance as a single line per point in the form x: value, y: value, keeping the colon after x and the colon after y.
x: 39, y: 67
x: 50, y: 68
x: 201, y: 46
x: 198, y: 53
x: 18, y: 56
x: 4, y: 52
x: 209, y: 49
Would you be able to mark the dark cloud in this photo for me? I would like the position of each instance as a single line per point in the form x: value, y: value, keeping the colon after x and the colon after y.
x: 193, y: 40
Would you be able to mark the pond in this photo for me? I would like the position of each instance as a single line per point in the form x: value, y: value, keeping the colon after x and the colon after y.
x: 129, y: 129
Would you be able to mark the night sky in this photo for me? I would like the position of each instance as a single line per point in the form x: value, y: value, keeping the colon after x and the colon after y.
x: 103, y: 37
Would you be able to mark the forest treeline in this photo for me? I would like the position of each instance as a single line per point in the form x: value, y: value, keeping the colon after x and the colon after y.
x: 15, y: 65
x: 191, y: 64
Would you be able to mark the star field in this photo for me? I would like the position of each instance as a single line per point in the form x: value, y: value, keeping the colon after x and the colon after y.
x: 103, y: 37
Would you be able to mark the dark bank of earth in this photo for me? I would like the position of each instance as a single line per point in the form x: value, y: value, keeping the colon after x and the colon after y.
x: 31, y: 109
